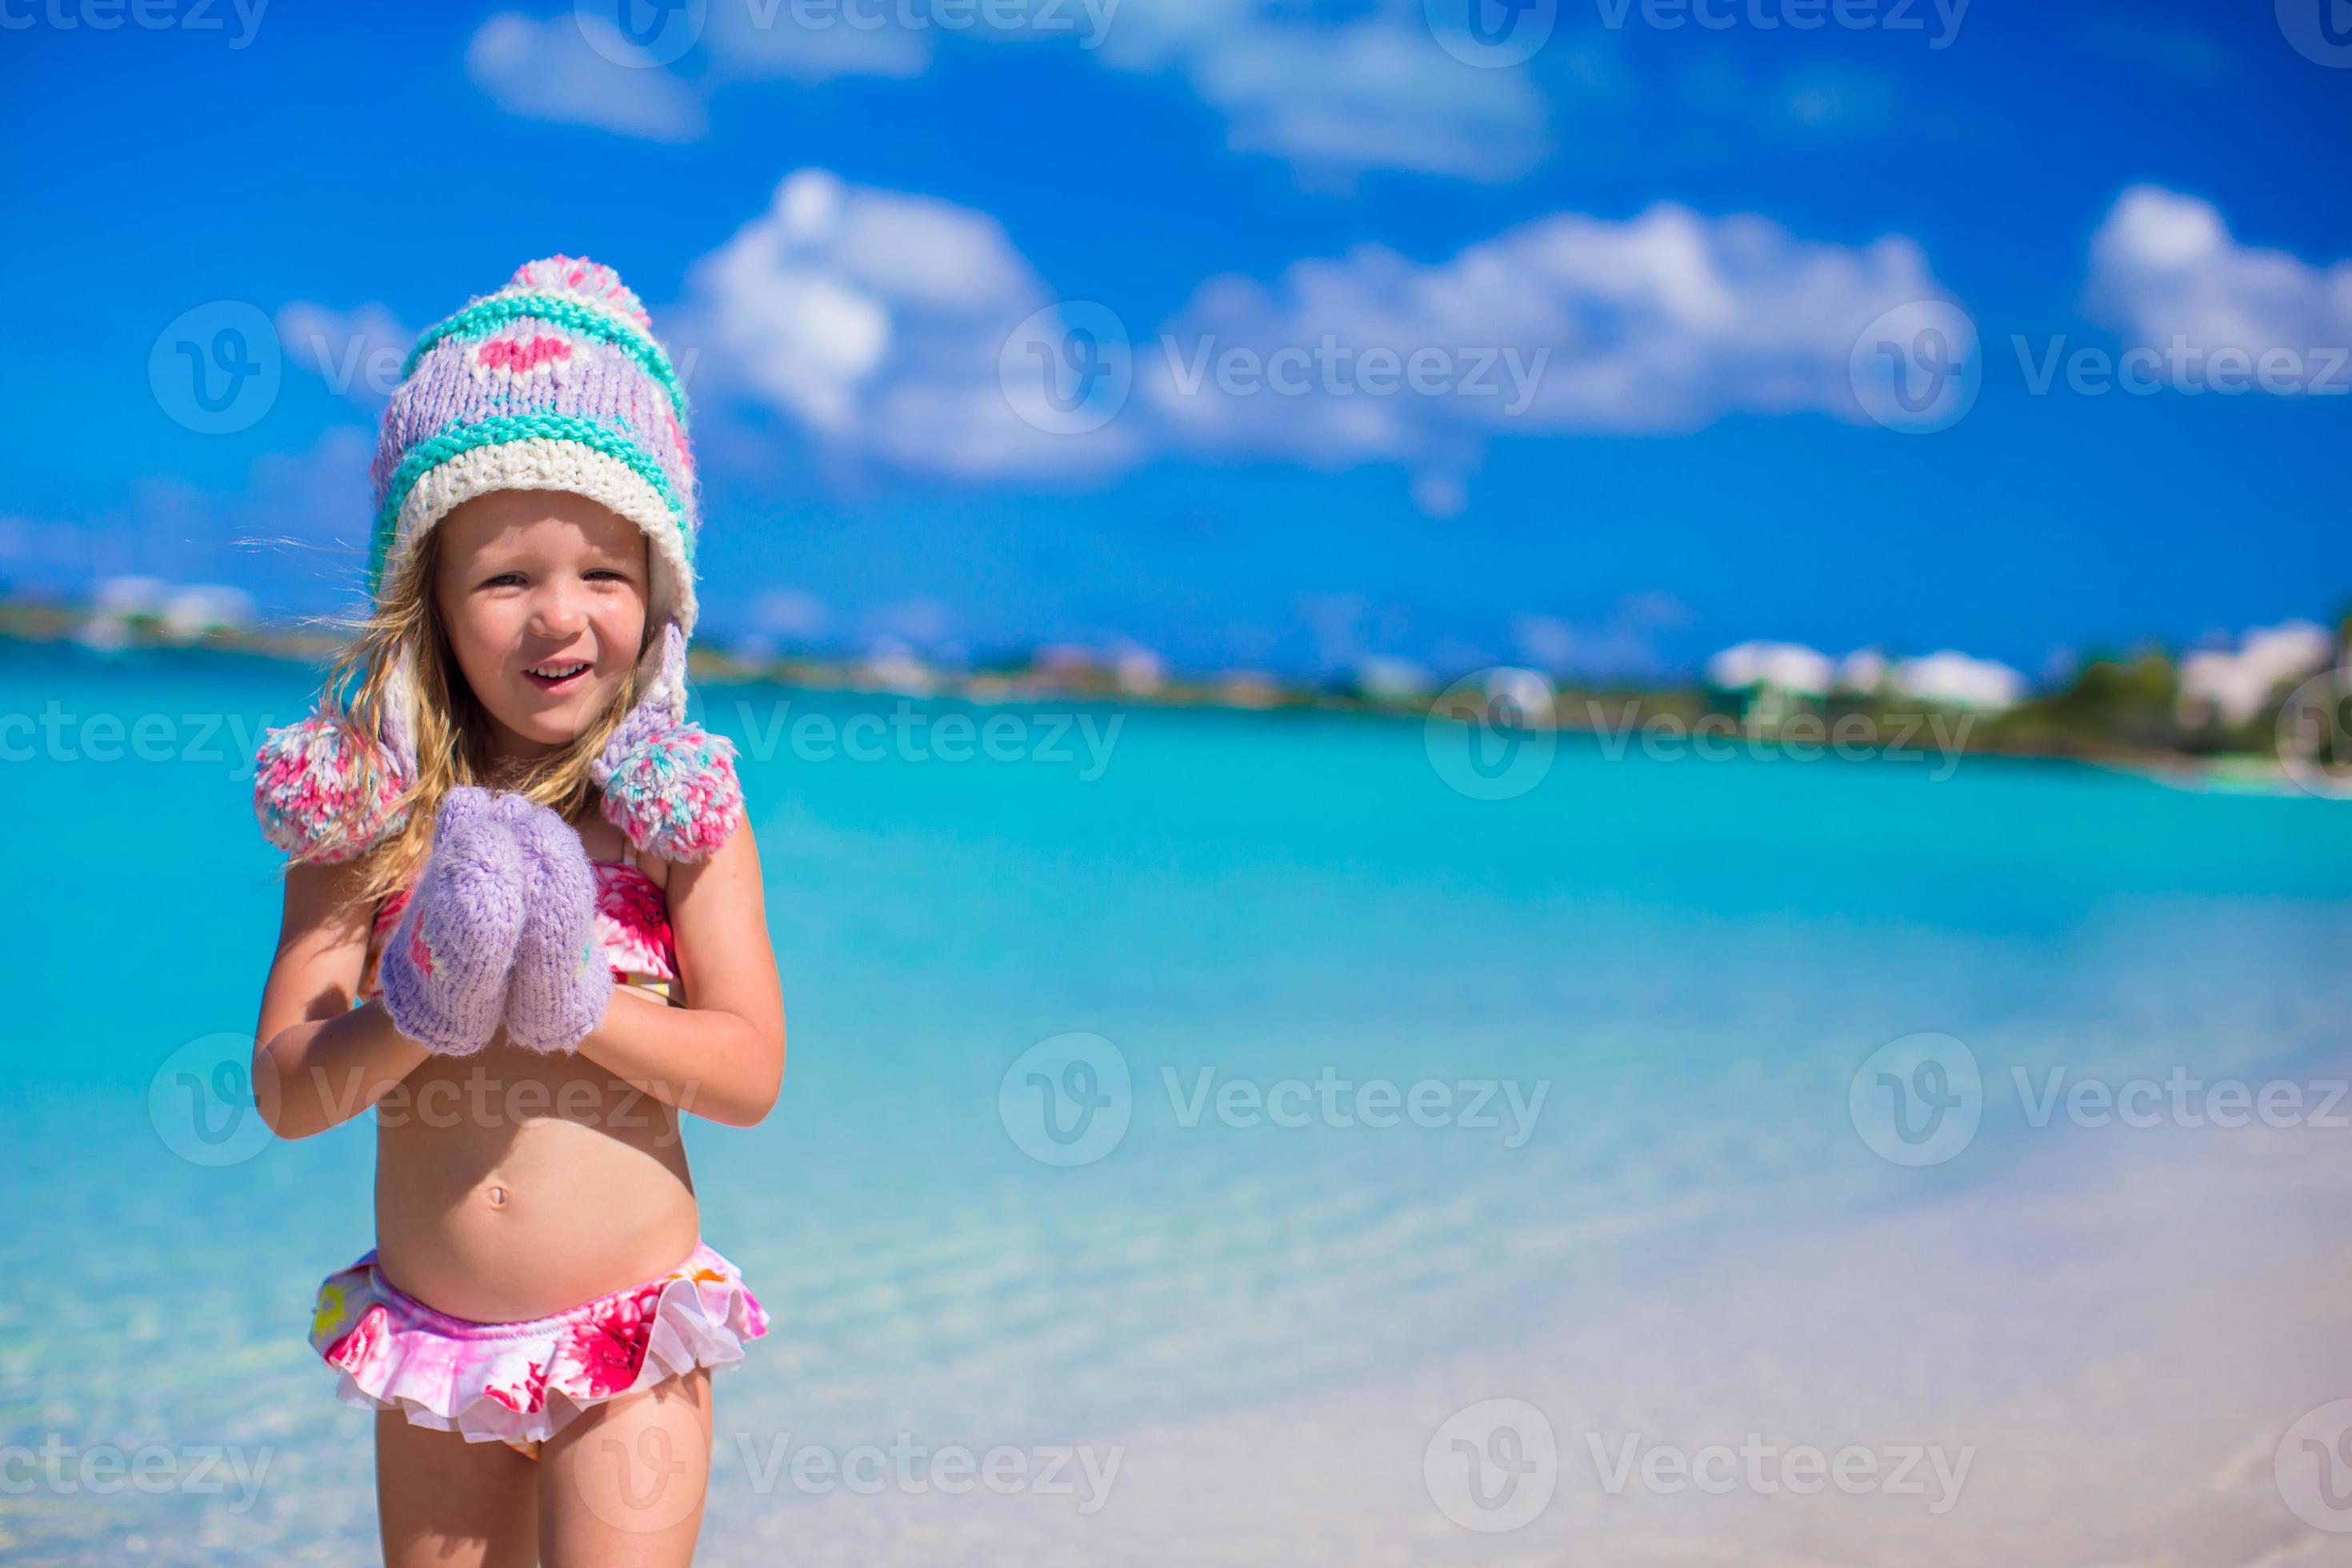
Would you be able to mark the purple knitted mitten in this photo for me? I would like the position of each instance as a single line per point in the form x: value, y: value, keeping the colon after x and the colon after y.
x: 444, y: 972
x: 562, y: 982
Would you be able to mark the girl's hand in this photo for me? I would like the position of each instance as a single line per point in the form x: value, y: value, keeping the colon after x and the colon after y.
x: 445, y: 971
x: 562, y: 982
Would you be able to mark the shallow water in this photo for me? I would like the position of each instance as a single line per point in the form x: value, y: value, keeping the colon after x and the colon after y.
x: 1689, y: 962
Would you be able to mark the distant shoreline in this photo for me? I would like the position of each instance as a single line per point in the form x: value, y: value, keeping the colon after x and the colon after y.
x: 1616, y: 715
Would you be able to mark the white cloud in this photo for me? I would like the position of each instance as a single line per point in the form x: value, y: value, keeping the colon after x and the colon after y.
x: 1658, y: 323
x: 902, y: 327
x: 2166, y: 272
x: 1333, y: 97
x: 549, y: 71
x: 813, y: 44
x: 2235, y: 684
x: 358, y: 352
x: 877, y: 319
x: 1374, y: 91
x: 1955, y: 678
x: 1789, y: 667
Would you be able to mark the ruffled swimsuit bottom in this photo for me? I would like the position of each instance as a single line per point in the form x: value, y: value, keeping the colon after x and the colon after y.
x: 519, y: 1384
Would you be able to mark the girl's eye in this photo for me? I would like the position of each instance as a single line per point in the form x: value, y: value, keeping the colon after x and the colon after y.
x: 503, y: 579
x: 609, y: 575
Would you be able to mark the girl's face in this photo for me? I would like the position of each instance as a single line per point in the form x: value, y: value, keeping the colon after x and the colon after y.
x: 543, y: 596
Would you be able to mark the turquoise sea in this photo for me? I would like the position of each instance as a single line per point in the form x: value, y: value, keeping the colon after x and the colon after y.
x: 1691, y: 1228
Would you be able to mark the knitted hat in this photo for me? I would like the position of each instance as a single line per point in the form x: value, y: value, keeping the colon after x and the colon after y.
x: 554, y: 382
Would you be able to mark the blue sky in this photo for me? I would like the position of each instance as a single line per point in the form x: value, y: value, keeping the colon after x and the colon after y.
x: 1678, y: 232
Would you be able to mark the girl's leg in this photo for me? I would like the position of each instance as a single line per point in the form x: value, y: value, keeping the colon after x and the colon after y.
x: 622, y: 1486
x: 444, y: 1502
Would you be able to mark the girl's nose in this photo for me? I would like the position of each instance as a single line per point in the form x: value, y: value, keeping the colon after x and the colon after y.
x: 557, y: 612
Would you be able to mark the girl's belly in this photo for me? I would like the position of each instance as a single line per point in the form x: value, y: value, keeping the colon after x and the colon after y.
x: 512, y: 1186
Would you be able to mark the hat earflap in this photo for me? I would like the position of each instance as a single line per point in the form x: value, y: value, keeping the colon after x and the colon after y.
x: 669, y: 784
x: 309, y: 778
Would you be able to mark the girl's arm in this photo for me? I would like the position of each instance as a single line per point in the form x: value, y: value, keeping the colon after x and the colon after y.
x: 318, y: 1061
x: 723, y: 1057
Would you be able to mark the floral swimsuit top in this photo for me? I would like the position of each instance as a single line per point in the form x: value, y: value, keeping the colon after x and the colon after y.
x: 631, y: 926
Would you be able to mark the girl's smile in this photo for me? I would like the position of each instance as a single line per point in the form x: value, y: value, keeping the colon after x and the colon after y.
x: 544, y: 595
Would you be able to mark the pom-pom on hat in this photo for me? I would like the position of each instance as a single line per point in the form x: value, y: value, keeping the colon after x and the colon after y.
x: 554, y: 382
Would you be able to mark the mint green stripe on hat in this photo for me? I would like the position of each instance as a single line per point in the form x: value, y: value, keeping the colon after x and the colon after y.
x: 426, y: 455
x: 489, y: 315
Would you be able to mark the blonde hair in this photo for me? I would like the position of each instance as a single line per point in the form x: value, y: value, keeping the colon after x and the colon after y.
x: 449, y: 725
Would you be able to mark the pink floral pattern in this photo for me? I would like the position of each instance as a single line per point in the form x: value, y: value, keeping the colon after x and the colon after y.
x: 631, y: 929
x: 520, y: 1383
x: 517, y: 356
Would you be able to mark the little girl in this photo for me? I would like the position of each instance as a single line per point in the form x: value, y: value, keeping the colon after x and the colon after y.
x: 523, y: 921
